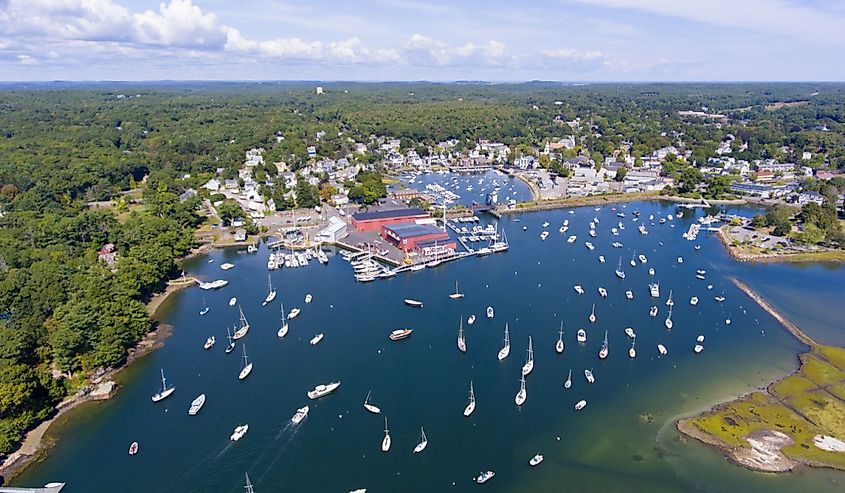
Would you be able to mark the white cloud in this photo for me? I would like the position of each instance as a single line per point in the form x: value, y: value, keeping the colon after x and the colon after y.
x: 27, y: 60
x: 431, y: 52
x: 179, y: 23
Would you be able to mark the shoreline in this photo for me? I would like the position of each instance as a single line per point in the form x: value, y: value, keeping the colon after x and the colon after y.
x: 828, y: 255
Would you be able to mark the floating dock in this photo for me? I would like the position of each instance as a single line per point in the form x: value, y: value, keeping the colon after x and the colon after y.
x: 48, y: 488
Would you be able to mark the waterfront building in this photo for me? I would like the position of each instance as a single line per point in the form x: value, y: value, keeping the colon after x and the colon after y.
x: 412, y: 236
x: 373, y: 221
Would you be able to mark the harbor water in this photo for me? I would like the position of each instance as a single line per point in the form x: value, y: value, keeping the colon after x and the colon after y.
x: 624, y: 440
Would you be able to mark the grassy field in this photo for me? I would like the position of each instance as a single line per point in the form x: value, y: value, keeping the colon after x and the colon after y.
x: 803, y: 405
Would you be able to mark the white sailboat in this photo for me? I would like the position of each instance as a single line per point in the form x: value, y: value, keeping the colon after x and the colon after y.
x: 247, y: 368
x: 668, y: 321
x: 271, y: 293
x: 559, y: 344
x: 604, y: 349
x: 529, y: 362
x: 283, y: 328
x: 592, y: 316
x: 423, y: 442
x: 248, y: 488
x: 568, y: 383
x: 370, y: 407
x: 632, y: 353
x: 506, y: 348
x: 231, y: 346
x: 471, y: 406
x: 165, y: 390
x: 522, y: 394
x: 457, y: 294
x: 462, y: 343
x: 619, y: 272
x: 244, y: 328
x: 385, y: 443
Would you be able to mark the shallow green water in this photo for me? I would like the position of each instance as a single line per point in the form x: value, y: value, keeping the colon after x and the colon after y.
x: 623, y: 441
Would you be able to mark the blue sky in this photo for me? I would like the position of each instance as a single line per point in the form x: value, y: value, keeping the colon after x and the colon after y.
x: 568, y: 40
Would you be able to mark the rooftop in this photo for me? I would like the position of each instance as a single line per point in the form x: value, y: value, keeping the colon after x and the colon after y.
x: 411, y: 230
x: 367, y: 216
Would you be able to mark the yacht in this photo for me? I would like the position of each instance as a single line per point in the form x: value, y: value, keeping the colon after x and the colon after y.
x: 247, y: 368
x: 413, y: 303
x: 652, y: 311
x: 619, y: 272
x: 489, y: 312
x: 579, y: 289
x: 602, y: 292
x: 654, y: 290
x: 370, y: 407
x: 592, y: 316
x: 604, y: 349
x: 471, y: 319
x: 271, y: 293
x: 399, y: 334
x: 693, y: 301
x: 231, y: 346
x: 568, y: 383
x: 423, y: 442
x: 217, y: 284
x: 471, y: 406
x: 301, y: 414
x: 536, y: 460
x: 580, y: 405
x: 239, y: 432
x: 506, y: 348
x: 209, y: 343
x: 668, y: 321
x: 484, y: 476
x: 385, y: 443
x: 662, y: 350
x: 457, y: 294
x: 629, y: 294
x: 462, y: 343
x: 581, y: 336
x: 244, y: 325
x: 165, y: 390
x: 293, y: 313
x: 529, y: 362
x: 321, y: 390
x: 283, y: 328
x: 521, y: 395
x: 588, y: 374
x: 316, y: 339
x: 196, y: 405
x: 559, y: 343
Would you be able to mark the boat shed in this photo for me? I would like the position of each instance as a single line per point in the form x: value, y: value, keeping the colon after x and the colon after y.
x: 335, y: 230
x: 412, y: 236
x: 373, y: 221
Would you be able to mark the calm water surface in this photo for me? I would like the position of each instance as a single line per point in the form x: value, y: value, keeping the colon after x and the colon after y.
x: 623, y: 441
x: 472, y: 188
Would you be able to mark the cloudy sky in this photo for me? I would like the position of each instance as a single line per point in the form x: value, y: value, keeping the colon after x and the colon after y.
x: 568, y: 40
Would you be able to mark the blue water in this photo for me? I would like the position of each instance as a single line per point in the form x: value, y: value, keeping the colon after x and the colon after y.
x: 623, y: 441
x: 481, y: 184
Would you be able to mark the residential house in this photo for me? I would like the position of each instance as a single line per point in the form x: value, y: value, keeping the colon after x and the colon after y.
x: 212, y: 185
x: 808, y: 196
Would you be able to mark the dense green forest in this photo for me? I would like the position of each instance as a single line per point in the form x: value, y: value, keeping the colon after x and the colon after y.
x: 64, y: 313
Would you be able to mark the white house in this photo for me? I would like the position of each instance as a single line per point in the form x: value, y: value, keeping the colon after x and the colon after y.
x: 212, y: 184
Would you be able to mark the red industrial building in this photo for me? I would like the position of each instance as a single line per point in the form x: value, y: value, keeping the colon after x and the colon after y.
x: 413, y: 236
x: 373, y: 221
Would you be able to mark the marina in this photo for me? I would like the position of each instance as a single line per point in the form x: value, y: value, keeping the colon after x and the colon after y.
x: 646, y: 392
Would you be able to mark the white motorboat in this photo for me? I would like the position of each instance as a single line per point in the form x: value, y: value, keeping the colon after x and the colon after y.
x: 423, y: 442
x: 652, y: 311
x: 568, y: 383
x: 535, y: 460
x: 698, y: 348
x: 544, y: 235
x: 300, y: 414
x: 239, y: 432
x: 588, y: 374
x: 616, y: 244
x: 457, y: 294
x: 629, y: 331
x: 471, y: 406
x: 629, y: 294
x: 719, y: 298
x: 579, y: 289
x: 680, y: 260
x: 308, y: 298
x: 589, y: 245
x: 413, y: 303
x: 471, y: 319
x: 700, y: 338
x: 489, y: 312
x: 693, y: 301
x: 506, y: 347
x: 529, y: 361
x: 244, y: 326
x: 604, y: 348
x: 592, y: 316
x: 522, y: 394
x: 399, y: 334
x: 651, y: 271
x: 484, y: 476
x: 580, y: 405
x: 226, y: 266
x: 370, y: 407
x: 642, y: 258
x: 581, y: 336
x: 165, y: 390
x: 204, y: 310
x: 196, y: 405
x: 316, y: 339
x: 385, y: 442
x: 293, y: 313
x: 271, y: 293
x: 602, y: 292
x: 247, y: 368
x: 283, y: 328
x: 601, y: 259
x: 571, y: 239
x: 233, y: 301
x: 462, y: 343
x: 209, y: 343
x: 559, y: 344
x: 323, y: 390
x: 662, y: 350
x: 654, y: 290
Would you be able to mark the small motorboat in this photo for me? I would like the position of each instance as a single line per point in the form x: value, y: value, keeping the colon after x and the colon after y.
x: 204, y: 310
x: 693, y: 301
x: 580, y: 405
x: 579, y: 289
x: 233, y: 301
x: 239, y: 432
x: 196, y: 405
x: 662, y: 349
x: 293, y: 313
x: 308, y: 298
x: 209, y: 343
x: 536, y: 460
x: 316, y: 339
x: 301, y: 414
x: 603, y: 292
x: 629, y: 331
x: 133, y: 448
x: 471, y: 319
x: 588, y: 374
x: 698, y: 348
x: 399, y: 334
x: 629, y: 294
x: 484, y: 477
x: 413, y: 303
x: 581, y: 336
x: 489, y: 312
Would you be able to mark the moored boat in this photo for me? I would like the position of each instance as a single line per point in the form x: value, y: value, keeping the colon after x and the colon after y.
x: 399, y: 334
x: 413, y: 303
x: 196, y: 405
x: 535, y: 460
x: 471, y: 405
x: 165, y: 390
x: 323, y: 390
